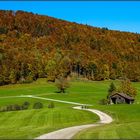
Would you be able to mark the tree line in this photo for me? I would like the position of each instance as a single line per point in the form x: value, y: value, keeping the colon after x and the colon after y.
x: 34, y: 46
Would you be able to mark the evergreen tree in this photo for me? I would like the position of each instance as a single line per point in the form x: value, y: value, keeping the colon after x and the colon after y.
x: 111, y: 89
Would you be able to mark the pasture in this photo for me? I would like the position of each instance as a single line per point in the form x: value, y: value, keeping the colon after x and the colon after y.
x: 34, y: 122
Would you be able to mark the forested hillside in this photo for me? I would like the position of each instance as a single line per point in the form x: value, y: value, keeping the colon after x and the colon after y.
x: 33, y: 46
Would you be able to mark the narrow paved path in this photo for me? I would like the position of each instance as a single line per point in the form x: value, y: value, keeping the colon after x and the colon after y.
x: 68, y: 133
x: 60, y: 101
x: 42, y: 98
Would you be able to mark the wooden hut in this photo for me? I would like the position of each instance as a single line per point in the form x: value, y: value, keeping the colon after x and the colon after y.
x: 120, y: 98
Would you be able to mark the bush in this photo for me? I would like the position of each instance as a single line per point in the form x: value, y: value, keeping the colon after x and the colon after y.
x: 51, y: 105
x: 3, y: 109
x: 37, y: 105
x: 25, y: 105
x: 104, y: 101
x: 9, y: 108
x: 16, y: 107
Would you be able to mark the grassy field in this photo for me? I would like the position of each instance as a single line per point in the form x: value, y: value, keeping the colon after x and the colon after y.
x: 31, y: 123
x: 126, y: 124
x: 126, y: 117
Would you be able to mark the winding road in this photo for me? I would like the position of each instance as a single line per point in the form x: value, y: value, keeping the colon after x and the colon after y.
x: 68, y: 133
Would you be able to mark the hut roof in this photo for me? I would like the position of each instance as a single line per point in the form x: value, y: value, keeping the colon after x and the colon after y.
x: 123, y: 95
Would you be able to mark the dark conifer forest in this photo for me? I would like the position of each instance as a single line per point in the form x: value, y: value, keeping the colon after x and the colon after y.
x: 34, y: 46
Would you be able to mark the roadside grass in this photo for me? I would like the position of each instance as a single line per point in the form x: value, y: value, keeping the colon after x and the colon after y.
x: 32, y: 123
x: 111, y: 131
x: 126, y: 123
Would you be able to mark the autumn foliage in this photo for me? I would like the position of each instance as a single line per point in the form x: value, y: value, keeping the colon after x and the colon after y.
x: 127, y: 88
x: 34, y: 46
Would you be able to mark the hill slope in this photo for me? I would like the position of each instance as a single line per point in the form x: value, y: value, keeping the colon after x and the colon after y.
x: 33, y: 46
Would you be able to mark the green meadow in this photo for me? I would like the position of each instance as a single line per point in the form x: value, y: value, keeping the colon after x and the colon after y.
x: 34, y: 122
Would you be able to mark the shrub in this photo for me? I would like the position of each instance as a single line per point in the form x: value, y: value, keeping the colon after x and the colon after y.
x: 16, y: 107
x: 25, y: 105
x: 9, y: 108
x: 2, y: 109
x: 37, y: 105
x: 104, y: 101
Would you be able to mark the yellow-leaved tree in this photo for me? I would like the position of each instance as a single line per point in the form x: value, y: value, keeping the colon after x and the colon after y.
x: 127, y: 88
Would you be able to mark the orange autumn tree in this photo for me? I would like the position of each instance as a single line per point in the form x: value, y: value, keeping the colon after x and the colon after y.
x: 29, y: 44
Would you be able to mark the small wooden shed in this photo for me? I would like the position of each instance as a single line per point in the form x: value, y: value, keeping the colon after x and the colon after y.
x: 119, y: 98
